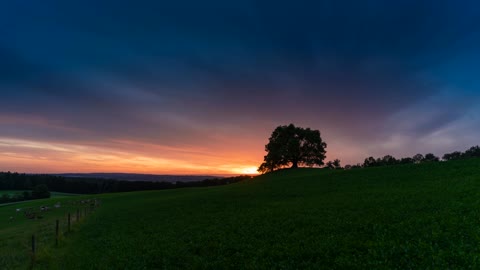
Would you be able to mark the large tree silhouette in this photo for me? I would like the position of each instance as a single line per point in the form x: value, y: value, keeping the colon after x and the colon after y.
x: 293, y: 146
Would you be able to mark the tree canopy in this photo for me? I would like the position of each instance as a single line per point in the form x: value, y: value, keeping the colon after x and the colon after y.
x: 293, y: 146
x: 335, y: 164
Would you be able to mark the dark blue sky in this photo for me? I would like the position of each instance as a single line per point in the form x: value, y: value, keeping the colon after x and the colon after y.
x: 197, y: 86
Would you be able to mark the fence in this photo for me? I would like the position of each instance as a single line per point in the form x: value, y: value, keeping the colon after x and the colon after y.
x: 46, y: 233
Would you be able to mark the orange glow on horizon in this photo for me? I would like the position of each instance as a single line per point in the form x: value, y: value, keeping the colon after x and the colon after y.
x: 127, y: 157
x: 230, y: 156
x: 247, y: 170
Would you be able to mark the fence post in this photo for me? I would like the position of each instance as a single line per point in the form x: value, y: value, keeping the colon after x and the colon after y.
x: 56, y: 233
x: 33, y: 247
x: 78, y: 214
x: 68, y: 222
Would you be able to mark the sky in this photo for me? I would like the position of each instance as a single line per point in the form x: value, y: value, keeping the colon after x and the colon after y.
x: 195, y: 87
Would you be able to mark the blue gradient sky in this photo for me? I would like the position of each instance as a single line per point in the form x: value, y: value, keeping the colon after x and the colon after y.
x: 198, y: 86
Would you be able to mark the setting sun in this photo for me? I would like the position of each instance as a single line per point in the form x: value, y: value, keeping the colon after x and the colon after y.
x: 249, y: 170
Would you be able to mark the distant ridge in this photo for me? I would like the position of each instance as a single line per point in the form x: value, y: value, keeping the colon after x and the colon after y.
x: 141, y: 177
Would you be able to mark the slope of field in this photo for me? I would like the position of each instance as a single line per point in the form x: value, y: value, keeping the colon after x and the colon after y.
x: 52, y: 194
x: 403, y: 217
x: 141, y: 177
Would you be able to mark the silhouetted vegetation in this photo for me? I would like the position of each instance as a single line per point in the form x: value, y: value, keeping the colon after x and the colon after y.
x: 389, y: 160
x: 418, y: 158
x: 293, y: 146
x: 430, y: 158
x: 335, y: 164
x: 452, y: 156
x: 38, y: 192
x: 473, y: 152
x: 41, y: 184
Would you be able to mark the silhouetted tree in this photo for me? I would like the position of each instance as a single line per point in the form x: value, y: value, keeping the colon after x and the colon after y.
x: 406, y: 160
x: 21, y: 182
x: 329, y: 165
x: 334, y: 164
x: 357, y: 166
x: 293, y: 146
x: 370, y: 162
x: 388, y: 160
x: 474, y: 151
x: 418, y: 158
x: 267, y: 166
x: 453, y: 156
x: 430, y: 158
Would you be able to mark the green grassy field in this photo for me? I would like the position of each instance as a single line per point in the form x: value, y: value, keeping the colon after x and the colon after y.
x: 16, y: 230
x: 53, y: 193
x: 403, y: 217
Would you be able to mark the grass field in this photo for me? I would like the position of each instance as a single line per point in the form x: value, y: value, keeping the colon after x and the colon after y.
x: 403, y: 217
x: 53, y: 193
x: 16, y: 230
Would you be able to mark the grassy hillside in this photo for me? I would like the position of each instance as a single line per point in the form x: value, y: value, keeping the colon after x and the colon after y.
x: 403, y: 217
x: 53, y: 193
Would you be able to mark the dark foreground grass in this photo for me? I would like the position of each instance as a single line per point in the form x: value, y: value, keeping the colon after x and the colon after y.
x: 403, y: 217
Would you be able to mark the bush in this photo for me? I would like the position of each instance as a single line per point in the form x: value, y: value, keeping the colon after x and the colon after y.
x: 40, y: 192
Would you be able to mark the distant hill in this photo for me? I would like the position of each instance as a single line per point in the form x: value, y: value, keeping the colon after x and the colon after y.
x: 141, y: 177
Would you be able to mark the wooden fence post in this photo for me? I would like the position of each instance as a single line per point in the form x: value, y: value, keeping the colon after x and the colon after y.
x: 68, y: 222
x: 33, y: 247
x: 56, y: 233
x: 78, y: 214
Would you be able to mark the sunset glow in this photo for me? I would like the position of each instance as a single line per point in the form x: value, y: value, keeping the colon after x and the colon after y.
x: 40, y: 157
x: 199, y: 90
x: 249, y: 170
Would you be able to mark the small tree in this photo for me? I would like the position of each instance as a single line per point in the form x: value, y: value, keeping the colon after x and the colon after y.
x: 40, y: 192
x: 418, y: 158
x: 474, y: 151
x: 336, y: 164
x: 329, y: 165
x: 389, y: 160
x: 370, y: 162
x: 431, y: 158
x: 406, y: 160
x: 453, y: 156
x: 27, y: 195
x: 293, y: 146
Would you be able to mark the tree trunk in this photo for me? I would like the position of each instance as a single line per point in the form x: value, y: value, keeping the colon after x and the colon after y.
x: 294, y: 164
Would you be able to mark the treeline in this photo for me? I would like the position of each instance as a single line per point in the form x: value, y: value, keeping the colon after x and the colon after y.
x: 17, y: 181
x: 388, y: 160
x: 38, y: 192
